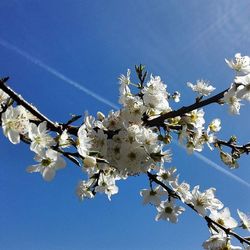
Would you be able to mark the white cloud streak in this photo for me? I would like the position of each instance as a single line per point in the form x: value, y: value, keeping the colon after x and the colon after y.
x: 221, y: 169
x: 75, y: 84
x: 216, y: 166
x: 56, y: 73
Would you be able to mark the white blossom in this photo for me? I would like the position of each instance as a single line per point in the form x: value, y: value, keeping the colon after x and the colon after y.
x: 124, y: 88
x: 84, y: 142
x: 40, y: 139
x: 202, y: 87
x: 205, y: 200
x: 113, y: 121
x: 219, y: 242
x: 83, y: 190
x: 168, y: 211
x: 49, y: 162
x: 240, y: 64
x: 243, y: 90
x: 167, y: 175
x: 133, y: 110
x: 152, y: 196
x: 224, y: 218
x: 99, y: 142
x: 215, y: 125
x: 231, y: 99
x: 195, y: 118
x: 106, y: 184
x: 64, y: 140
x: 155, y: 96
x: 245, y: 220
x: 132, y: 158
x: 14, y: 123
x: 183, y: 190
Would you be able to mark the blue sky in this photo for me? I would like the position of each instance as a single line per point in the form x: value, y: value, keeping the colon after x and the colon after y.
x: 91, y: 43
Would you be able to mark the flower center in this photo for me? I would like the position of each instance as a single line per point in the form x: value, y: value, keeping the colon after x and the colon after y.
x: 132, y: 156
x: 221, y: 221
x: 152, y: 193
x: 168, y: 210
x: 46, y: 162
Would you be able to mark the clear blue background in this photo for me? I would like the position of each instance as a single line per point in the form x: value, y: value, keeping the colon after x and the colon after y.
x: 92, y: 43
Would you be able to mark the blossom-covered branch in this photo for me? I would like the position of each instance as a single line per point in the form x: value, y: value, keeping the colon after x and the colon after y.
x: 136, y: 140
x: 182, y: 194
x: 159, y: 121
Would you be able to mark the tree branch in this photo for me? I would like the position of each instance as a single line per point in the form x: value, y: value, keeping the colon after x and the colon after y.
x: 19, y: 100
x: 240, y: 148
x: 159, y: 121
x: 173, y: 194
x: 56, y: 127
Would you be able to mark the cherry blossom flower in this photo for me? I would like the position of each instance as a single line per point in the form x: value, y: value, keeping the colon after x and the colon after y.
x: 124, y: 88
x: 83, y: 190
x: 64, y: 140
x: 152, y: 196
x: 14, y: 123
x: 183, y: 190
x: 155, y: 95
x: 232, y: 100
x: 40, y: 139
x: 241, y: 64
x: 168, y: 211
x: 84, y: 142
x: 224, y: 218
x: 204, y: 201
x: 49, y: 162
x: 245, y: 220
x: 219, y: 242
x: 167, y: 175
x: 195, y: 118
x: 106, y: 184
x: 201, y: 87
x: 215, y: 125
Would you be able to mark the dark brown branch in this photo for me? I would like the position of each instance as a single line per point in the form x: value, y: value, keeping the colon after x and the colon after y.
x: 172, y: 193
x: 19, y: 100
x: 159, y: 121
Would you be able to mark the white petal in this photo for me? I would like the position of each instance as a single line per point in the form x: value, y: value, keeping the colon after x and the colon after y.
x: 14, y: 136
x: 48, y: 174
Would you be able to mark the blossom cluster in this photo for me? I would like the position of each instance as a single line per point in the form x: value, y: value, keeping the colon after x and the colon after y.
x: 121, y: 144
x: 240, y: 88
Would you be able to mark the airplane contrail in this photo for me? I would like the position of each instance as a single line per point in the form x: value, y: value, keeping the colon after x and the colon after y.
x: 75, y: 84
x: 56, y: 73
x: 215, y: 166
x: 221, y: 169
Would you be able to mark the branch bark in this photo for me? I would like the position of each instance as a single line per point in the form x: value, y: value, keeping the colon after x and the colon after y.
x: 159, y: 121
